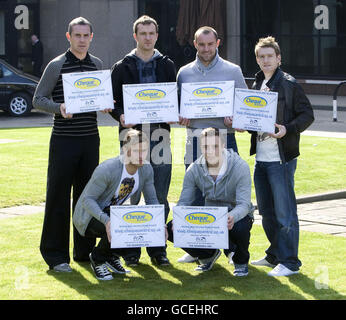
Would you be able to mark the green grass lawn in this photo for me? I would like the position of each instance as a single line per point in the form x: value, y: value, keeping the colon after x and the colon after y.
x: 24, y: 275
x: 23, y: 164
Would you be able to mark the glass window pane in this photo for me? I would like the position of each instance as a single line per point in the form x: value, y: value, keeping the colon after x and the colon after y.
x: 261, y: 17
x: 249, y: 65
x: 336, y: 17
x: 333, y: 53
x: 299, y: 55
x: 297, y: 17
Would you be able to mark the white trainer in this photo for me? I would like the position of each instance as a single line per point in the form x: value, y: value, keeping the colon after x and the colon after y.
x: 186, y: 258
x: 281, y: 271
x: 262, y: 263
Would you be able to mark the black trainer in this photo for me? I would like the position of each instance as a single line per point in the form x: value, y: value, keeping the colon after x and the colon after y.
x: 114, y: 264
x: 160, y: 261
x: 207, y: 264
x: 100, y: 270
x: 132, y: 261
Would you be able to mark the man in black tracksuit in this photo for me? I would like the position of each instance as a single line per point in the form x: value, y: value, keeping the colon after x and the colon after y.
x: 145, y: 64
x: 73, y: 151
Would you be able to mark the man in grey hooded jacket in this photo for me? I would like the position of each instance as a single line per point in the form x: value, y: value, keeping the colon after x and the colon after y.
x: 224, y: 179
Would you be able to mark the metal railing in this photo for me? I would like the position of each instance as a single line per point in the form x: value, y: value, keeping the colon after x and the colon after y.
x: 335, y: 104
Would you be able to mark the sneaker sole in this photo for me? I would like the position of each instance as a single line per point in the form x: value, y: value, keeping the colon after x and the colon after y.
x: 263, y: 264
x: 190, y: 261
x: 240, y: 274
x: 282, y: 275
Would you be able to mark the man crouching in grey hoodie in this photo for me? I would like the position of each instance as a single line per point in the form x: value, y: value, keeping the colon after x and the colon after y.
x: 224, y: 179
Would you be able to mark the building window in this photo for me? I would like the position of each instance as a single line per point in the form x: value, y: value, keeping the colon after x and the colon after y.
x: 311, y: 34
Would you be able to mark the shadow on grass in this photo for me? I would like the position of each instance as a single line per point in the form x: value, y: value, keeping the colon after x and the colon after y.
x: 319, y: 291
x: 146, y: 282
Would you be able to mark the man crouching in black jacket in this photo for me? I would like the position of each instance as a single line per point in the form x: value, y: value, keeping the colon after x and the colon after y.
x: 145, y: 64
x: 276, y: 160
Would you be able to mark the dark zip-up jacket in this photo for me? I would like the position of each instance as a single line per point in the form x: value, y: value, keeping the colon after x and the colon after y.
x: 294, y: 111
x: 125, y: 72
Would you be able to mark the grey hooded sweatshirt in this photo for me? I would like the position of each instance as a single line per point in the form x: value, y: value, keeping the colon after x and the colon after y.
x: 232, y: 190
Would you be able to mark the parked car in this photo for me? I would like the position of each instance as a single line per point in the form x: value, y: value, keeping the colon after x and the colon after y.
x: 16, y: 90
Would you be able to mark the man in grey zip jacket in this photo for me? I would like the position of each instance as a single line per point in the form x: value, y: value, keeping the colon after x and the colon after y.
x: 224, y: 179
x: 109, y: 186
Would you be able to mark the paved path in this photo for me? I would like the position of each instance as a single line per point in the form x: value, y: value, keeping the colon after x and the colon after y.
x: 324, y: 216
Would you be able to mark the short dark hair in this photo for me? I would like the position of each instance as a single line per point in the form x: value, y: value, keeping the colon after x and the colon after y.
x: 205, y: 30
x: 79, y: 21
x: 146, y: 20
x: 213, y: 132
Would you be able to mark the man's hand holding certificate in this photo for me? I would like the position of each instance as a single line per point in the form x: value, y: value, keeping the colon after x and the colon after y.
x: 207, y: 99
x: 200, y: 227
x: 137, y: 226
x: 150, y: 103
x: 87, y: 91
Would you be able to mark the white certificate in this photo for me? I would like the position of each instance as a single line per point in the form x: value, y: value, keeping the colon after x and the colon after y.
x: 255, y: 110
x: 88, y: 91
x: 137, y: 226
x: 150, y: 102
x: 200, y: 227
x: 207, y: 99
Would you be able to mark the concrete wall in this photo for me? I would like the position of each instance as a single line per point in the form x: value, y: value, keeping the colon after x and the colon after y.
x: 112, y: 22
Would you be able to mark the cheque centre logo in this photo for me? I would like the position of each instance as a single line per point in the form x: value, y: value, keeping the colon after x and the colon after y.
x: 137, y: 217
x: 200, y: 218
x: 255, y: 102
x: 207, y: 92
x: 150, y: 94
x: 87, y: 83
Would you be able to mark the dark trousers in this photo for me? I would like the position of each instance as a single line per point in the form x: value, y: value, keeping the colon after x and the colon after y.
x: 238, y: 236
x: 103, y: 250
x: 72, y: 161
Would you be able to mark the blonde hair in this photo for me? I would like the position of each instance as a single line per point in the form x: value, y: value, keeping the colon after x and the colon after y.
x: 268, y: 42
x: 133, y: 137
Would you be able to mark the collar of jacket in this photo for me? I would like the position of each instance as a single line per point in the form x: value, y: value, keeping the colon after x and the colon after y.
x: 202, y: 68
x: 273, y: 82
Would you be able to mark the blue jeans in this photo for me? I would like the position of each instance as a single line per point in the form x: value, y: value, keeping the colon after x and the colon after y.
x: 274, y: 186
